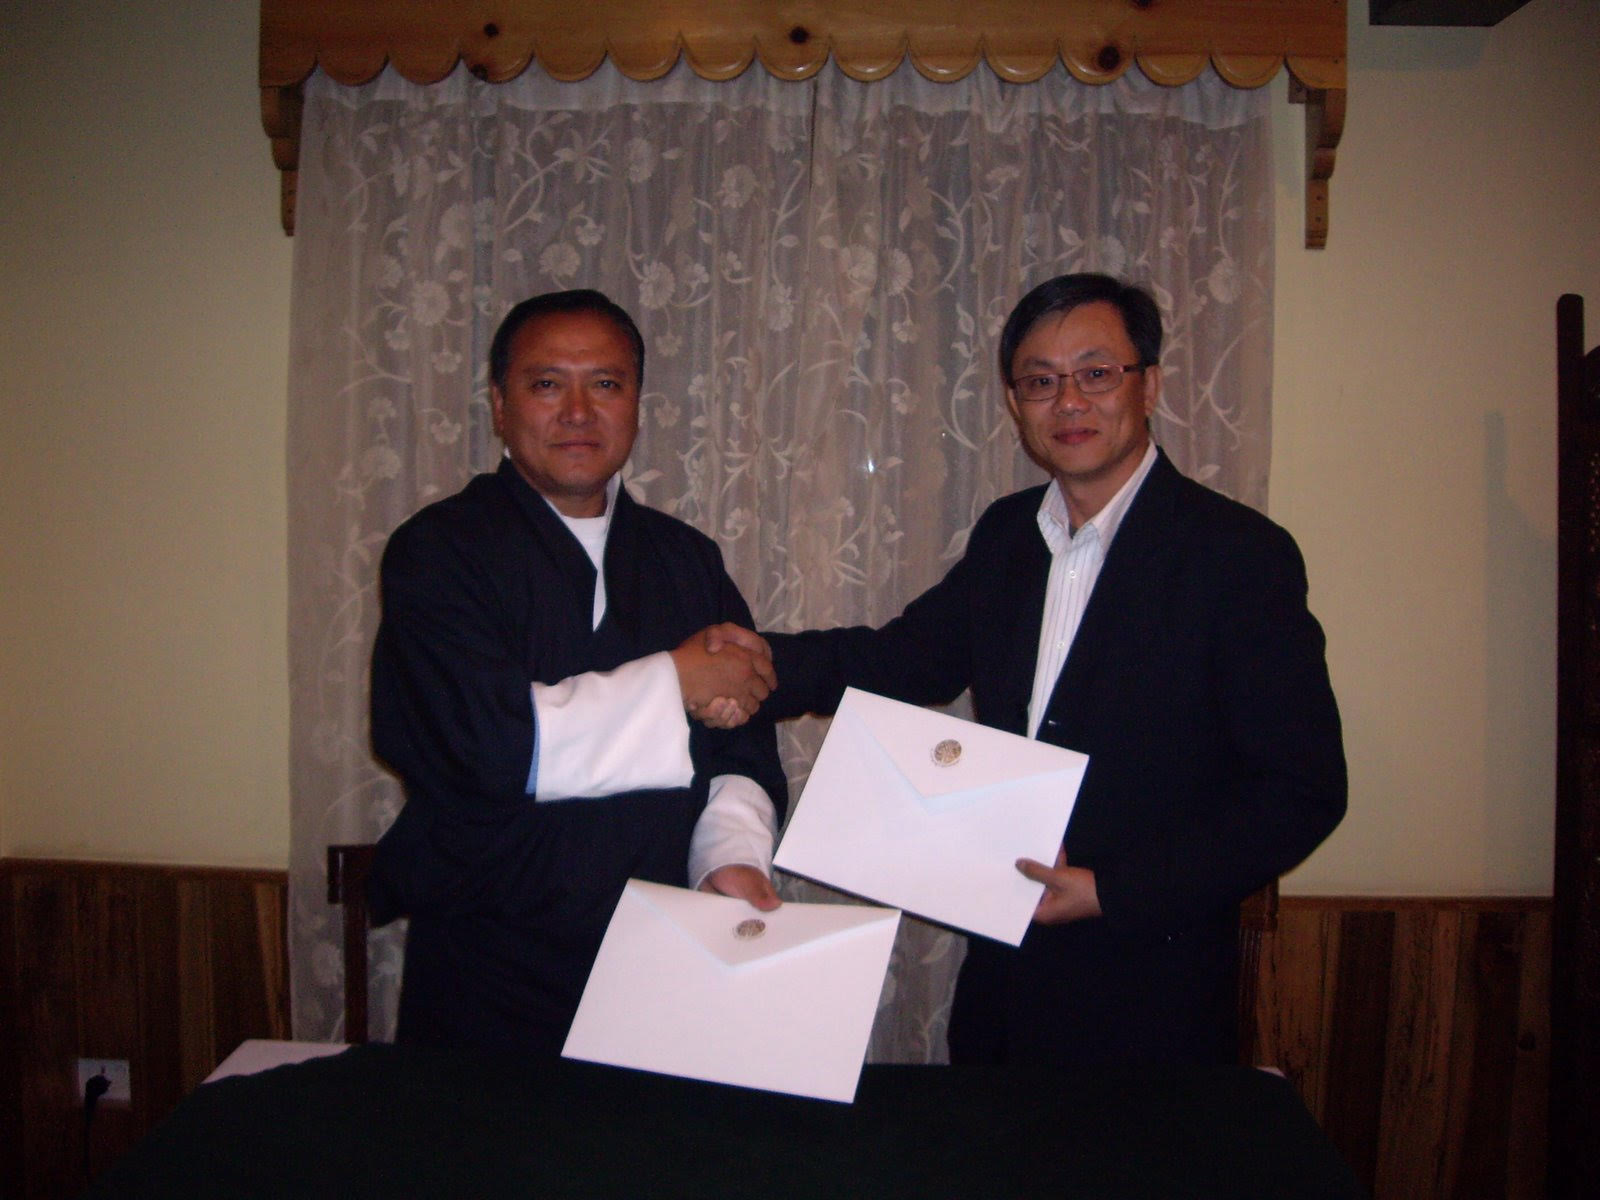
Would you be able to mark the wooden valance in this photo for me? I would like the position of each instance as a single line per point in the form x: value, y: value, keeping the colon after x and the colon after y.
x: 1172, y: 41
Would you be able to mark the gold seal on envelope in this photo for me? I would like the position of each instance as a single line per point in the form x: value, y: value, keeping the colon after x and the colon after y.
x: 947, y: 753
x: 751, y: 928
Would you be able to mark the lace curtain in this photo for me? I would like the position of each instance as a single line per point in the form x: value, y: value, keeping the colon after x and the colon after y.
x: 820, y: 270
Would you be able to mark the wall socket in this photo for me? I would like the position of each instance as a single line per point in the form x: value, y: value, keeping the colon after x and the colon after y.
x: 114, y: 1069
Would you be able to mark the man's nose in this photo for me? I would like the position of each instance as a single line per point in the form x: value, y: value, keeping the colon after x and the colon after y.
x: 1069, y: 399
x: 577, y: 407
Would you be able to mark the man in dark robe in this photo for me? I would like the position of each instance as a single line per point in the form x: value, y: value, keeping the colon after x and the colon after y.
x: 530, y: 679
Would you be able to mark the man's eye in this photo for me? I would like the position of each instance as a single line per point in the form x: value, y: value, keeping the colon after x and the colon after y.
x: 1094, y: 374
x: 1039, y: 383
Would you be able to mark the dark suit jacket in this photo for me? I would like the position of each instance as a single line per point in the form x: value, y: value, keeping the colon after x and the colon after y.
x: 482, y: 593
x: 1197, y: 686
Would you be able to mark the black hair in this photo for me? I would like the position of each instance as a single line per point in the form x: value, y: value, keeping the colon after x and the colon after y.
x: 1140, y: 315
x: 578, y: 300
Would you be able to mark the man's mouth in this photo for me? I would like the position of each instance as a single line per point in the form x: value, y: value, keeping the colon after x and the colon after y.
x: 1073, y: 437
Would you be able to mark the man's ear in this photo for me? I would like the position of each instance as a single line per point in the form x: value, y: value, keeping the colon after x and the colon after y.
x: 497, y: 402
x: 1152, y: 391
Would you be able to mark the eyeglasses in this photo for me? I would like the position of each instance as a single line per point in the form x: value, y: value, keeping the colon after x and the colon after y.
x: 1090, y: 381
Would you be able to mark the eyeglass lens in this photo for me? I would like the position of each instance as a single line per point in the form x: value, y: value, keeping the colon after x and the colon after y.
x: 1089, y: 380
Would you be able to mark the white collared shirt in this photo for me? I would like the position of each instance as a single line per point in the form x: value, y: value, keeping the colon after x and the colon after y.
x: 1075, y: 561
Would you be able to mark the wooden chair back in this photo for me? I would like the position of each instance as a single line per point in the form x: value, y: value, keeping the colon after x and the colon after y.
x: 1258, y: 921
x: 348, y: 868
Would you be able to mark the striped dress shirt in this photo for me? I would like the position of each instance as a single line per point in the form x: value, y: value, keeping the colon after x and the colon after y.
x: 1075, y: 560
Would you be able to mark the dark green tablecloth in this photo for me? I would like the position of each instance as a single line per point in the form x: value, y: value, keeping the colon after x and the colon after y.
x: 395, y: 1122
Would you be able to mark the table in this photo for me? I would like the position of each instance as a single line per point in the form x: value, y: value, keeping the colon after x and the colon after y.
x: 382, y: 1120
x: 255, y: 1055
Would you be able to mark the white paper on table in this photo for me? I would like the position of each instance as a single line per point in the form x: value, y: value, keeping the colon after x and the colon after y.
x: 676, y: 990
x: 262, y: 1054
x: 881, y: 818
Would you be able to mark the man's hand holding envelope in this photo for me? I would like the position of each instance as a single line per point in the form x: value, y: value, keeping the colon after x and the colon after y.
x: 1069, y: 892
x: 931, y: 814
x: 709, y: 987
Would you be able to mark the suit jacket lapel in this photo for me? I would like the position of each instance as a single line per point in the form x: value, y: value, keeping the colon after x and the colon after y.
x: 1126, y: 574
x: 1017, y: 621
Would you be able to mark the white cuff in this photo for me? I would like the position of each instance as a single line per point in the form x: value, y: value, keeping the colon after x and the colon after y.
x: 605, y: 732
x: 737, y: 827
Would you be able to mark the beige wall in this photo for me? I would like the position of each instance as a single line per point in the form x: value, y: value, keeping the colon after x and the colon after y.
x: 1414, y: 434
x: 143, y: 344
x: 144, y: 310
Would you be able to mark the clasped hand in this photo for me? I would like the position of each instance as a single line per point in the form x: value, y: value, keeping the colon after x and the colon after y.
x: 724, y: 673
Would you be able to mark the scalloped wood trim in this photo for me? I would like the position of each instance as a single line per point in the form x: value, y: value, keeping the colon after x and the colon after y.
x: 1172, y: 41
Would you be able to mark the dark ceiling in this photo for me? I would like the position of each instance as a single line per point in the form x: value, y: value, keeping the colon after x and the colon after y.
x: 1440, y: 12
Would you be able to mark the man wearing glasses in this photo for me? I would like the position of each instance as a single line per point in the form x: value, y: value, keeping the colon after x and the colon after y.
x: 1127, y: 612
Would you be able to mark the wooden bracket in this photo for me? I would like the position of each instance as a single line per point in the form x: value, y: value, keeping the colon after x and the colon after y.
x: 1324, y: 128
x: 280, y: 116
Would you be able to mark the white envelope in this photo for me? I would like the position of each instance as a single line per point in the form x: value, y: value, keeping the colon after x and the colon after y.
x: 788, y: 1007
x: 881, y: 818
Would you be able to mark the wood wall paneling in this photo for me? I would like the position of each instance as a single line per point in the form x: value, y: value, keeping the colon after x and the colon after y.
x: 163, y: 990
x: 10, y: 1048
x: 168, y: 968
x: 45, y: 1026
x: 1417, y: 1031
x: 1359, y: 1036
x: 105, y: 954
x: 1528, y: 1143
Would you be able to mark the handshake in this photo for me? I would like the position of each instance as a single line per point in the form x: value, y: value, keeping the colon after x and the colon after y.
x: 725, y: 672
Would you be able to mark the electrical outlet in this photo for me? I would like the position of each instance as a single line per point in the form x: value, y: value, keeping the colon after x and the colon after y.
x: 115, y: 1070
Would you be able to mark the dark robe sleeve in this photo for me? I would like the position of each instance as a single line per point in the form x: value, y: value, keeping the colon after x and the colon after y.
x: 451, y: 708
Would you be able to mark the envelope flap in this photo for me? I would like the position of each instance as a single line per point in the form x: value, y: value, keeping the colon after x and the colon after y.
x: 734, y: 933
x: 942, y: 757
